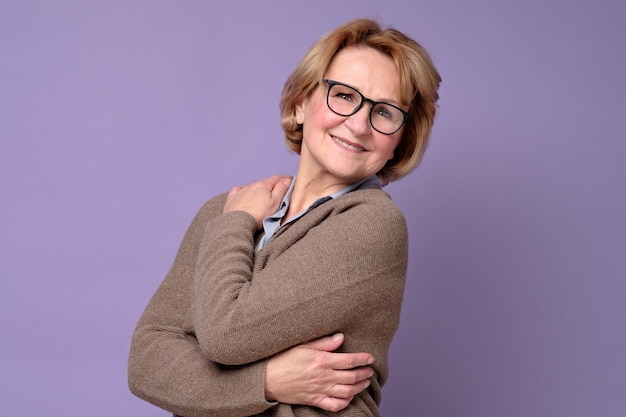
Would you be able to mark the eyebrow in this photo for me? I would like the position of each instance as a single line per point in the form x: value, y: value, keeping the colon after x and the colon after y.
x: 382, y: 100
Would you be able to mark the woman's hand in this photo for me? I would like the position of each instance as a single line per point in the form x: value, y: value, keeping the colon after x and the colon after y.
x: 260, y: 199
x: 311, y: 374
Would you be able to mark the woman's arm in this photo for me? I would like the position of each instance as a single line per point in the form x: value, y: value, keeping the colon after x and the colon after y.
x: 172, y: 374
x: 307, y: 375
x: 329, y: 272
x: 167, y: 368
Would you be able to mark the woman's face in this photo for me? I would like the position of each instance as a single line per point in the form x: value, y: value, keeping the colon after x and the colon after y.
x: 340, y: 150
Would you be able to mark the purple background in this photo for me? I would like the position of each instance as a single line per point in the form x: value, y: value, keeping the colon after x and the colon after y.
x: 119, y: 118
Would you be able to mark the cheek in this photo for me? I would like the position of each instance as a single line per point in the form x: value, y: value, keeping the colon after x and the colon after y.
x: 324, y: 120
x: 316, y: 114
x: 389, y: 146
x: 391, y: 153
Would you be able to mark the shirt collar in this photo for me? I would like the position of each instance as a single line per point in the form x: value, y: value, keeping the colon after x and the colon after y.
x: 272, y: 223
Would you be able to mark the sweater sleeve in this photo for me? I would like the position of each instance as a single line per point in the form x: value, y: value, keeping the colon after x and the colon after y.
x: 166, y: 366
x: 345, y: 273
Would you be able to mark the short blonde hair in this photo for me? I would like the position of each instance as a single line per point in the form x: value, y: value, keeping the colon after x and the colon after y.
x: 419, y: 82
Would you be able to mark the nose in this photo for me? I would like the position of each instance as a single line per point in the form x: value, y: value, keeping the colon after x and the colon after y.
x: 359, y: 122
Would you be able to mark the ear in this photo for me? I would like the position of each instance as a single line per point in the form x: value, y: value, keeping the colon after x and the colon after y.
x: 300, y: 113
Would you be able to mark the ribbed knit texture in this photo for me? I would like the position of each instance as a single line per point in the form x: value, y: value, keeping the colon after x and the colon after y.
x: 200, y: 348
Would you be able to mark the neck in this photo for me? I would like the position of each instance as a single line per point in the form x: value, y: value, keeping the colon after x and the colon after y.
x: 306, y: 193
x: 307, y: 190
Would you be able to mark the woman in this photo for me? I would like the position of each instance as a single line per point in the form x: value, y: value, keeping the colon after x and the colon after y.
x: 276, y: 279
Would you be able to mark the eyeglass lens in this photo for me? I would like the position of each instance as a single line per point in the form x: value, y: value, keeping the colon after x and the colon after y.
x: 346, y: 101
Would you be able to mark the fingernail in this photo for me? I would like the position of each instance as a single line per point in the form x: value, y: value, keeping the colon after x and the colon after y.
x: 336, y: 337
x: 371, y: 360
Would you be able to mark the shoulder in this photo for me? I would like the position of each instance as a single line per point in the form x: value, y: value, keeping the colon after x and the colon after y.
x: 213, y: 207
x: 210, y: 209
x: 371, y: 204
x: 366, y: 217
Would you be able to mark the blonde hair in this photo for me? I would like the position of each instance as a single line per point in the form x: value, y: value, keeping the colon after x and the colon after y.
x: 419, y: 82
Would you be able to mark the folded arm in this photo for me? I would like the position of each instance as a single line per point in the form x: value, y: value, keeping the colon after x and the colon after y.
x: 168, y: 368
x: 341, y: 272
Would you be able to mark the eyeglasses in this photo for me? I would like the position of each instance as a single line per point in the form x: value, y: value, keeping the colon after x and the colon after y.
x: 346, y: 101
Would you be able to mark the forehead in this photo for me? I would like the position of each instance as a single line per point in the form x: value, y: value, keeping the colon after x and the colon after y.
x: 370, y: 71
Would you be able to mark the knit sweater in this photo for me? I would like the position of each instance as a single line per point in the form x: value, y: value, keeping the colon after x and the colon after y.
x: 201, y: 346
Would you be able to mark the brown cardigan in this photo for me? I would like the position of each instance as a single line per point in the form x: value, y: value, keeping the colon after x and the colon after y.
x: 201, y: 346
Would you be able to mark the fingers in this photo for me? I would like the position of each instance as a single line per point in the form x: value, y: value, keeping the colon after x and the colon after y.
x: 281, y: 187
x: 333, y: 404
x: 313, y: 374
x: 339, y: 360
x: 234, y: 190
x: 353, y: 376
x: 326, y: 344
x: 340, y: 396
x: 276, y: 180
x: 348, y: 360
x: 259, y: 199
x: 270, y: 183
x: 348, y: 391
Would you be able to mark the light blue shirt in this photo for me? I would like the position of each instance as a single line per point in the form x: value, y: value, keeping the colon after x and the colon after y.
x: 271, y: 224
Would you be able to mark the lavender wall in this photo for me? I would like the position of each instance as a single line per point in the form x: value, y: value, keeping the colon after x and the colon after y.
x: 119, y: 118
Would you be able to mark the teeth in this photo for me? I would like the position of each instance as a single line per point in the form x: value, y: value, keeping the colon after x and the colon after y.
x: 347, y: 145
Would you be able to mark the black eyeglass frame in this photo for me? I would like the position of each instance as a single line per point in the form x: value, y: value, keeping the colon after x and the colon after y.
x: 364, y: 99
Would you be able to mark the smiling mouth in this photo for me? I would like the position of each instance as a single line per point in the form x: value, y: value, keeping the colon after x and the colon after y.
x: 349, y: 146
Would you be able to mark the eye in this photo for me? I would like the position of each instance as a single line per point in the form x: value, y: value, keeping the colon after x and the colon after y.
x: 384, y: 111
x: 344, y: 95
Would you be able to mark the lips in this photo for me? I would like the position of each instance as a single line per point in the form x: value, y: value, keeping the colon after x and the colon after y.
x: 350, y: 146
